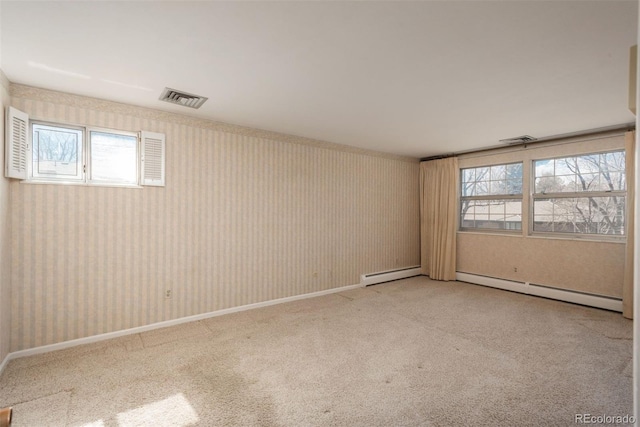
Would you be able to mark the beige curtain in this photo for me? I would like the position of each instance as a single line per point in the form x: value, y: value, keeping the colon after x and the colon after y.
x: 438, y: 217
x: 627, y: 287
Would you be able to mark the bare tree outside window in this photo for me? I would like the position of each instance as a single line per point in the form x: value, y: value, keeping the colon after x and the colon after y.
x: 581, y: 194
x: 491, y: 197
x: 57, y: 152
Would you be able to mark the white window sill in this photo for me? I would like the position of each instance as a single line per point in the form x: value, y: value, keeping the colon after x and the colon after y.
x: 77, y: 183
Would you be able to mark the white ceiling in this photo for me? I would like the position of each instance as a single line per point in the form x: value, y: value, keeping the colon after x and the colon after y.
x: 410, y: 78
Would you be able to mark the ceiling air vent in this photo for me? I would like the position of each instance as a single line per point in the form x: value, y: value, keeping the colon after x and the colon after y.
x: 518, y: 140
x: 182, y: 98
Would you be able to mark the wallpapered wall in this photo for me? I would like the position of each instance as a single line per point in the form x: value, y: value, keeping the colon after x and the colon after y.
x: 5, y: 239
x: 246, y: 216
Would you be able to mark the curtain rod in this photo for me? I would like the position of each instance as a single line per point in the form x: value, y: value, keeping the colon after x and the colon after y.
x: 623, y: 127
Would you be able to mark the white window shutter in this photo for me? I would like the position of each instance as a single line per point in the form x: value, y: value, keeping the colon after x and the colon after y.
x: 152, y: 159
x: 16, y: 144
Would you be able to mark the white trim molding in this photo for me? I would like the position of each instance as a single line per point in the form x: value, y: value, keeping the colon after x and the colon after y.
x: 366, y: 280
x: 389, y: 275
x: 527, y: 288
x: 110, y: 335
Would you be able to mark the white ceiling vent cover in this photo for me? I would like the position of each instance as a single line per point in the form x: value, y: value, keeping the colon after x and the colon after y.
x: 182, y: 98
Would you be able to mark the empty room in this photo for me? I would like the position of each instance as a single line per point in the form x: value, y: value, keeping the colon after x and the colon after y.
x: 337, y: 213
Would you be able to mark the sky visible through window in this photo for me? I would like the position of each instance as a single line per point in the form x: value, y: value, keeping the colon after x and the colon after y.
x: 114, y: 157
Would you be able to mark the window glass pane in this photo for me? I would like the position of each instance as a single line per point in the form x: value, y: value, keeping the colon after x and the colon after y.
x: 495, y: 181
x: 482, y: 188
x: 613, y: 181
x: 481, y: 209
x: 492, y: 214
x: 482, y: 174
x: 593, y: 215
x: 587, y: 181
x: 513, y: 207
x: 496, y: 207
x: 498, y: 172
x: 587, y: 164
x: 613, y: 161
x: 467, y: 215
x: 492, y: 180
x: 114, y: 158
x: 565, y: 166
x: 542, y: 222
x: 513, y: 225
x: 567, y: 183
x: 57, y: 152
x: 548, y: 184
x: 468, y: 189
x: 514, y: 186
x: 544, y: 168
x: 482, y: 181
x: 547, y: 181
x: 468, y: 175
x: 514, y: 170
x: 593, y: 172
x: 578, y: 176
x: 514, y: 178
x: 498, y: 187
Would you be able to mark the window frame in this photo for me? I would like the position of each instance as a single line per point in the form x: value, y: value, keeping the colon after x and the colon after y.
x: 505, y: 197
x: 533, y: 196
x: 31, y: 174
x: 150, y: 159
x: 85, y: 158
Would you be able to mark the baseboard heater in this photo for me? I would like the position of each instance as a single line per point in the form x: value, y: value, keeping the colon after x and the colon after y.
x: 389, y: 275
x: 575, y: 297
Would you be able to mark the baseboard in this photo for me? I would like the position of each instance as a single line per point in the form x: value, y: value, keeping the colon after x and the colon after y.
x: 590, y: 300
x: 389, y: 275
x: 110, y: 335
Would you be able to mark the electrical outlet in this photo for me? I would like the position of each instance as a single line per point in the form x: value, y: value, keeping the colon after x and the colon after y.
x: 167, y: 293
x: 515, y: 269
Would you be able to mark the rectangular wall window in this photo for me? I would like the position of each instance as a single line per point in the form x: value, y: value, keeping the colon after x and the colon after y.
x: 491, y: 197
x: 583, y: 194
x: 57, y: 153
x: 114, y: 157
x: 64, y: 154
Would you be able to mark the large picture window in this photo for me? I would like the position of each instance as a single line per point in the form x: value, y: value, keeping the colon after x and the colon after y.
x: 583, y: 194
x: 491, y: 197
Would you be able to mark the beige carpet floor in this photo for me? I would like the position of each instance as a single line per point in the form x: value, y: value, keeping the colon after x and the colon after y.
x: 408, y: 353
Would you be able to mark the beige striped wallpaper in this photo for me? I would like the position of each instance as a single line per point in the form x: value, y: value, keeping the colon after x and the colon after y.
x: 582, y: 265
x: 246, y: 216
x: 5, y: 275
